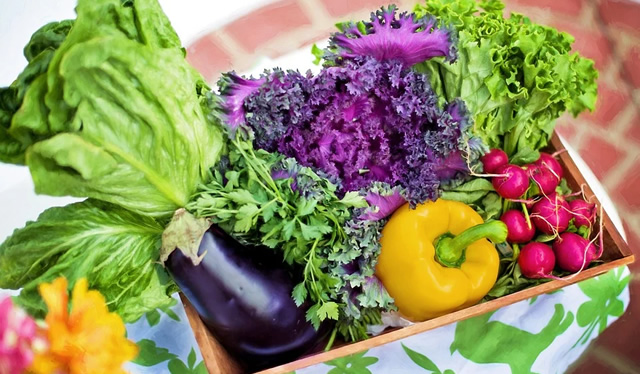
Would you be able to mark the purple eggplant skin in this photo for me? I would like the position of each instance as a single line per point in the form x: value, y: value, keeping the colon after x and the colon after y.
x: 243, y: 295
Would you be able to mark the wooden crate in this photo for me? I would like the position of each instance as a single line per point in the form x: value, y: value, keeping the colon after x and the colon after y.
x: 616, y: 253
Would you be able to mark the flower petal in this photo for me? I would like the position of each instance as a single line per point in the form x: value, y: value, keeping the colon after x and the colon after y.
x: 55, y: 296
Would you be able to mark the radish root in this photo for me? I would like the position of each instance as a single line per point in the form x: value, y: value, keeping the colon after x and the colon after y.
x: 467, y: 155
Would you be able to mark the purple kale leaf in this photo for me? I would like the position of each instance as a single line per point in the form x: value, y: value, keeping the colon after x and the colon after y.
x: 388, y: 36
x: 366, y: 118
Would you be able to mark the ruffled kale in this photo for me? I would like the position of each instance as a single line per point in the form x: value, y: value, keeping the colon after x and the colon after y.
x: 383, y: 200
x: 280, y: 101
x: 405, y: 38
x: 235, y: 90
x: 360, y: 122
x: 361, y: 294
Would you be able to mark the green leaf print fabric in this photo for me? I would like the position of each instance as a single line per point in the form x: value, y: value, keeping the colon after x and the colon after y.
x: 545, y: 334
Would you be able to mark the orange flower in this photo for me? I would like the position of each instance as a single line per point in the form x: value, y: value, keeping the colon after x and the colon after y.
x: 90, y: 339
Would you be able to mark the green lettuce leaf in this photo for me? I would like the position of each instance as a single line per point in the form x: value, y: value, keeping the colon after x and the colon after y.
x: 39, y: 52
x: 139, y: 145
x: 516, y: 77
x: 115, y: 112
x: 115, y: 249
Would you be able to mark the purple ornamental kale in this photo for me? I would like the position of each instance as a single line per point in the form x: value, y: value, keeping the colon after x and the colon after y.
x: 234, y: 89
x: 381, y: 203
x: 377, y: 121
x: 370, y: 117
x: 279, y: 102
x: 407, y: 39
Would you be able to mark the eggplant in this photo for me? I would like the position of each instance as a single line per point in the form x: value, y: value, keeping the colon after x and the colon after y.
x: 243, y: 295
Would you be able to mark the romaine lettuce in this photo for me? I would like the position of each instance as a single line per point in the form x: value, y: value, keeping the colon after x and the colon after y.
x: 115, y: 249
x: 108, y: 108
x: 116, y: 114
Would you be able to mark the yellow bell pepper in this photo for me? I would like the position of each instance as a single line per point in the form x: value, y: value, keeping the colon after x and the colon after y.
x: 435, y: 259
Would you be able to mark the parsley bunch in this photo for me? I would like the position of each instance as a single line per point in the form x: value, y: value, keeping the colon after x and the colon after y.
x: 266, y: 199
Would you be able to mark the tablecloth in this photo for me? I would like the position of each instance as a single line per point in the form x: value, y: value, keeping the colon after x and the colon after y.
x: 544, y: 334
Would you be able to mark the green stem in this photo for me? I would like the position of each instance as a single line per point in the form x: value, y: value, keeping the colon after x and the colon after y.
x: 526, y: 214
x: 331, y: 339
x: 450, y: 250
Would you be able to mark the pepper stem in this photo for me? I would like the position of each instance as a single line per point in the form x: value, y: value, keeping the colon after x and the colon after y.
x: 450, y: 250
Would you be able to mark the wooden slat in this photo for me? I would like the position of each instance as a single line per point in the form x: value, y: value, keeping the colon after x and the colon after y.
x: 616, y: 253
x: 421, y: 327
x: 215, y: 357
x: 576, y: 180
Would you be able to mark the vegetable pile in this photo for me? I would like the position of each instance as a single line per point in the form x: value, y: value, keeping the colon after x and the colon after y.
x: 275, y: 203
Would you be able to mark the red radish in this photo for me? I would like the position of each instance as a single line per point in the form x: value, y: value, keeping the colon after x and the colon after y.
x: 546, y: 161
x: 573, y: 252
x: 519, y: 231
x: 513, y: 184
x: 551, y: 214
x: 536, y: 260
x: 584, y: 213
x: 544, y: 178
x: 493, y: 159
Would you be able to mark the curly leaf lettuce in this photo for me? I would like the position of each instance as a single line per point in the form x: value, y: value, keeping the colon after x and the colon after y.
x: 115, y: 249
x: 119, y: 114
x: 516, y: 77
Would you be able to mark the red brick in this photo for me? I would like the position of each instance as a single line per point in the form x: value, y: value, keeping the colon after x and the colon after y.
x: 632, y: 67
x: 628, y: 190
x: 567, y: 129
x: 318, y: 37
x: 337, y: 8
x: 633, y: 240
x: 611, y: 101
x: 634, y: 129
x: 572, y: 7
x: 589, y: 43
x: 590, y: 365
x: 600, y: 155
x: 622, y: 13
x: 264, y: 24
x: 208, y: 57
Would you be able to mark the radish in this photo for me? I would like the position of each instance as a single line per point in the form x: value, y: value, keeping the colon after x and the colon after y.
x: 519, y: 230
x: 536, y: 260
x: 547, y: 161
x: 513, y: 184
x: 494, y: 159
x: 584, y: 213
x: 573, y: 252
x: 544, y: 178
x: 551, y: 214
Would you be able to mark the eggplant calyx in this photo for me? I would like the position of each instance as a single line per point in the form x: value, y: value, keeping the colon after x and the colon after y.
x: 184, y: 233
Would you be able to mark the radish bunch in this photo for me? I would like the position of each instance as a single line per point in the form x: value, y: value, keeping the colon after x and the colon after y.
x: 545, y: 212
x: 512, y: 181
